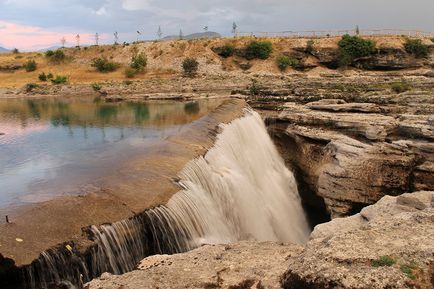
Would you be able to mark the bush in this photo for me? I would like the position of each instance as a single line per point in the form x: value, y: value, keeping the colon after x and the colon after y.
x: 15, y: 51
x: 190, y: 66
x: 283, y: 62
x: 400, y: 86
x: 416, y: 47
x: 96, y: 86
x: 102, y: 64
x: 258, y: 49
x: 30, y: 86
x: 254, y: 87
x: 130, y: 72
x: 225, y: 51
x: 352, y: 47
x: 139, y: 62
x: 30, y: 66
x: 42, y: 76
x: 50, y: 76
x: 383, y: 261
x: 309, y: 46
x: 55, y: 56
x: 59, y: 79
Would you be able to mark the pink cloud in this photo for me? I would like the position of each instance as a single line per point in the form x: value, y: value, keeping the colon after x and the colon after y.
x: 32, y: 37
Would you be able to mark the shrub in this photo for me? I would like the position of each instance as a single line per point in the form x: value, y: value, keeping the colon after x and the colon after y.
x: 383, y: 261
x: 254, y: 87
x: 139, y: 61
x: 96, y: 86
x: 30, y: 66
x: 283, y: 62
x: 128, y: 82
x: 352, y: 47
x: 59, y: 79
x: 15, y: 51
x: 42, y: 76
x: 407, y: 269
x: 130, y: 72
x: 309, y: 46
x: 190, y: 66
x: 55, y: 56
x: 225, y: 51
x: 50, y: 76
x: 258, y: 49
x: 102, y: 64
x: 400, y: 86
x: 416, y: 47
x: 30, y: 86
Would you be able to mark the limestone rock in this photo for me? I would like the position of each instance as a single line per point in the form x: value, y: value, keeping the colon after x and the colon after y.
x: 240, y: 265
x: 342, y: 253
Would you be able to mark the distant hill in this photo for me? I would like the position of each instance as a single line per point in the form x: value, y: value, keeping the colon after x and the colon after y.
x: 3, y: 50
x: 49, y: 48
x: 194, y: 36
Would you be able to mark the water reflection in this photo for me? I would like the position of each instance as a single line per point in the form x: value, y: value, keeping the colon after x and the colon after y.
x: 52, y: 147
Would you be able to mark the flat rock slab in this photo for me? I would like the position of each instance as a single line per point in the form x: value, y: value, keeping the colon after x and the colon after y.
x: 240, y: 265
x: 138, y: 184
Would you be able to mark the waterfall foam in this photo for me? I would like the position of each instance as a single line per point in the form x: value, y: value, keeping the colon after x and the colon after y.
x: 239, y: 190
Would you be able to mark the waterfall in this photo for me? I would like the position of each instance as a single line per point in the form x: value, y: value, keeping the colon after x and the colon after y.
x: 240, y: 190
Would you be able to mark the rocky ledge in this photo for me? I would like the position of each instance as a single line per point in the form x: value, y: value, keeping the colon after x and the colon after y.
x: 387, y: 245
x: 352, y: 141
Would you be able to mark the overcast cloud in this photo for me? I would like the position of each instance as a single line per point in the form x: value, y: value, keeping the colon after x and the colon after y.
x: 127, y: 16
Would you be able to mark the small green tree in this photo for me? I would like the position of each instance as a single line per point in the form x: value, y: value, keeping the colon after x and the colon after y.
x: 102, y: 64
x: 416, y: 47
x: 258, y: 49
x: 30, y: 66
x: 190, y: 66
x: 352, y: 47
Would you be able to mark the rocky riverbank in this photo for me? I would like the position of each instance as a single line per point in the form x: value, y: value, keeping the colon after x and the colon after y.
x: 387, y: 245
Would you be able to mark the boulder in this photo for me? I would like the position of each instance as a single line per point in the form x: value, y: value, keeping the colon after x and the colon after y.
x: 387, y: 245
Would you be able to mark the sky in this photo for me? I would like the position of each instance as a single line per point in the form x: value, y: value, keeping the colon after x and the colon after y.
x: 32, y: 25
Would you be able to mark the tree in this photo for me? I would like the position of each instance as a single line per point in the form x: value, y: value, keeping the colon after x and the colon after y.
x: 159, y: 32
x: 234, y: 28
x: 96, y: 39
x: 116, y: 35
x: 77, y: 38
x: 181, y: 35
x: 63, y: 41
x: 357, y: 30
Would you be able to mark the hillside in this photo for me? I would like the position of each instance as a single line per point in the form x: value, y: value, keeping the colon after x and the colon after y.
x: 165, y: 58
x: 3, y: 50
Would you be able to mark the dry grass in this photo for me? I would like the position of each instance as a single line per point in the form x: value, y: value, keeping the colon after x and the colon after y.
x: 164, y: 59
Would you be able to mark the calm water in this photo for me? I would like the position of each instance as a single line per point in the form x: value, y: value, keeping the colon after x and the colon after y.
x: 52, y: 147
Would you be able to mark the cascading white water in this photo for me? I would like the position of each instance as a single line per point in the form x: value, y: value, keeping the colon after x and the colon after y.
x: 240, y: 190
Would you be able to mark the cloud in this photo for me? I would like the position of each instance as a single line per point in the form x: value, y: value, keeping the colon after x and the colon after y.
x: 128, y: 16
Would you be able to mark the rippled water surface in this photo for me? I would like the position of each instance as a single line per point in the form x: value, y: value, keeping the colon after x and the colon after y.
x: 52, y: 147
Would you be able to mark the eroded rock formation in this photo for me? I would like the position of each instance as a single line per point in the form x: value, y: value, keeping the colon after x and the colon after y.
x: 351, y: 148
x: 387, y: 245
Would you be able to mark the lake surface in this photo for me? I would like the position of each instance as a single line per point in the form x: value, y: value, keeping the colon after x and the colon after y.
x: 53, y: 147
